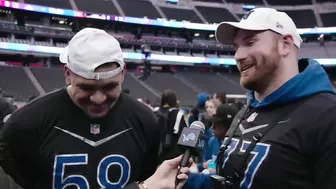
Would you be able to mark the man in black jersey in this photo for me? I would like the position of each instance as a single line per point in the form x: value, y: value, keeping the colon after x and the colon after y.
x: 285, y: 138
x: 88, y: 135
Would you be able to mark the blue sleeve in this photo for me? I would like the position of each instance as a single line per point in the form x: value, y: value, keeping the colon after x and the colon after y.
x: 200, y: 167
x: 191, y: 119
x: 198, y: 181
x: 206, y: 153
x: 207, y: 150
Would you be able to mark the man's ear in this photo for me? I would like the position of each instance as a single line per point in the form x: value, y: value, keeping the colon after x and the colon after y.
x: 67, y: 74
x: 286, y: 45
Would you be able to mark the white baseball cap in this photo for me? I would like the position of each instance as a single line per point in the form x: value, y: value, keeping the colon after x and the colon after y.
x: 89, y: 49
x: 259, y: 19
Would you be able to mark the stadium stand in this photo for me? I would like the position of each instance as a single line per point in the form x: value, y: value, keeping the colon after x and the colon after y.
x: 215, y: 15
x: 163, y: 81
x: 31, y: 38
x: 138, y: 8
x: 181, y: 14
x: 248, y: 2
x: 210, y: 1
x: 303, y: 18
x: 65, y: 4
x: 328, y: 19
x: 289, y: 2
x: 212, y: 82
x: 49, y: 78
x: 15, y: 83
x: 55, y: 30
x: 138, y: 90
x: 100, y: 6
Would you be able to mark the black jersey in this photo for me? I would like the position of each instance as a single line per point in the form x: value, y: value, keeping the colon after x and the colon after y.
x: 5, y: 110
x: 51, y: 143
x: 299, y: 152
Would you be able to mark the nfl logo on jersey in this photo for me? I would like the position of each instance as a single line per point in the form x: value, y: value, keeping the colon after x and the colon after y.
x: 95, y: 129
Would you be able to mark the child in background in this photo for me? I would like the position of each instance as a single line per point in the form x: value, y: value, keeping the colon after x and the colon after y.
x: 221, y: 122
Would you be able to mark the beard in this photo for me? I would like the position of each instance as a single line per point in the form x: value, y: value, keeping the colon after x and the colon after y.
x: 260, y: 75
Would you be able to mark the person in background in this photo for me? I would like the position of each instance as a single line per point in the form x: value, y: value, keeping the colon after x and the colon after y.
x: 198, y: 111
x: 210, y: 106
x: 221, y: 121
x: 221, y: 96
x: 171, y: 122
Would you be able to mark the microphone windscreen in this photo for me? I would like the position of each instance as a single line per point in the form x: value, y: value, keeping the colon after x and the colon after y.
x: 198, y: 125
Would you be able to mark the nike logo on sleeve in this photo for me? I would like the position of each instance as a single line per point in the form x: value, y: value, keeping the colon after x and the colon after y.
x: 90, y: 142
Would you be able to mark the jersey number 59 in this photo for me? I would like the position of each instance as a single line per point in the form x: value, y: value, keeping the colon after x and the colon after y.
x: 62, y: 161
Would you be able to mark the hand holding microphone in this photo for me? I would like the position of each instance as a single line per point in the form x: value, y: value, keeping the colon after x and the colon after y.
x: 166, y: 173
x: 192, y: 140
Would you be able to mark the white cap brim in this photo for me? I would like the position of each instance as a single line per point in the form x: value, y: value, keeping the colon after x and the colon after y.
x: 226, y: 31
x: 63, y: 57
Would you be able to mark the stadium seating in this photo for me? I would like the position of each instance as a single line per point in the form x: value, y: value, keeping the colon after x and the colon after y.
x: 163, y: 81
x: 289, y: 2
x: 15, y: 82
x: 328, y: 19
x: 181, y: 14
x: 210, y: 1
x: 138, y: 90
x: 138, y: 8
x: 97, y: 6
x: 65, y: 4
x: 303, y: 18
x: 212, y: 82
x: 215, y: 15
x: 49, y: 78
x: 247, y: 2
x: 163, y: 41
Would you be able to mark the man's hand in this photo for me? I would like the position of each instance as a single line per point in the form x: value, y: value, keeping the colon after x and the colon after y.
x: 164, y: 177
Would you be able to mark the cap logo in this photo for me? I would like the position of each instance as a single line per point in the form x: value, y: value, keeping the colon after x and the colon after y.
x: 278, y: 25
x: 247, y: 14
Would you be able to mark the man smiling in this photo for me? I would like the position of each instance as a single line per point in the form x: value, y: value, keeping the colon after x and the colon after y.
x: 87, y: 135
x: 285, y: 138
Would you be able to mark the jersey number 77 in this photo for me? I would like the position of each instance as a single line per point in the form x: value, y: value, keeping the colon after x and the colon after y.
x: 63, y: 161
x: 259, y: 154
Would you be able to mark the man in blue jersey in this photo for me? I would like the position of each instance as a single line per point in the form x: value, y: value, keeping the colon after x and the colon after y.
x: 285, y: 138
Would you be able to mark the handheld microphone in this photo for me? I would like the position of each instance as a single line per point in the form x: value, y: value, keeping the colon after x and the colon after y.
x: 191, y: 139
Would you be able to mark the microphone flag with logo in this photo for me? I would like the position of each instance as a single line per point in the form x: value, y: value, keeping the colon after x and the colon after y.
x: 192, y: 140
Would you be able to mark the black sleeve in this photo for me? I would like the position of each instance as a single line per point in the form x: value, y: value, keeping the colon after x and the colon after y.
x: 9, y: 154
x: 17, y: 140
x: 194, y: 113
x: 153, y: 140
x: 5, y: 109
x: 325, y: 151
